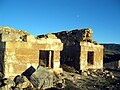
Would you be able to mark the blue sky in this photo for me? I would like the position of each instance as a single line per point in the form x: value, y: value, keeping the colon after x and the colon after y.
x: 47, y: 16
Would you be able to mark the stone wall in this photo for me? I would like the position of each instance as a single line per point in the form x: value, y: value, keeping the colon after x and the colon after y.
x: 19, y: 50
x: 52, y: 45
x: 19, y: 56
x: 10, y: 34
x: 97, y: 56
x: 76, y: 44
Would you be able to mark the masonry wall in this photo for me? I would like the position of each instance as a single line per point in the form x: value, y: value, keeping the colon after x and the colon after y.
x: 71, y: 48
x: 97, y: 56
x: 76, y: 44
x: 51, y: 43
x: 19, y: 56
x: 19, y: 50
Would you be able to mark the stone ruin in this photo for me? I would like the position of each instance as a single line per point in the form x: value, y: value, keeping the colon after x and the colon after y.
x: 23, y: 56
x: 20, y: 50
x: 80, y: 50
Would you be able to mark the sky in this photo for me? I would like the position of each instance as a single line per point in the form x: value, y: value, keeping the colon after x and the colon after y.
x: 48, y: 16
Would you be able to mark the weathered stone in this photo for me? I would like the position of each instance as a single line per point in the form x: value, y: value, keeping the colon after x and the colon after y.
x: 59, y: 80
x: 79, y: 47
x: 20, y: 50
x: 42, y: 78
x: 85, y: 73
x: 8, y: 82
x: 22, y: 82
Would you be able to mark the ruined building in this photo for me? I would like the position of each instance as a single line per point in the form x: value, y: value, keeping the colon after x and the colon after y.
x: 19, y: 50
x: 80, y: 50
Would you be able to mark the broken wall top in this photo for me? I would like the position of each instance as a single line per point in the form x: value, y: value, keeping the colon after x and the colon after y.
x: 76, y: 36
x: 49, y: 42
x: 79, y: 35
x: 8, y: 30
x: 45, y: 42
x: 48, y: 39
x: 10, y: 34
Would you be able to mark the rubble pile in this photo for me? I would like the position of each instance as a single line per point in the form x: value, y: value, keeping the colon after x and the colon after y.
x: 92, y: 80
x: 41, y: 78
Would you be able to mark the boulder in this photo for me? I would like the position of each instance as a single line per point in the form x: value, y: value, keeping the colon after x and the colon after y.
x: 22, y: 82
x: 42, y: 78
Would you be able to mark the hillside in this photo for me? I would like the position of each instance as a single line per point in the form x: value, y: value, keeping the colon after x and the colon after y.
x: 111, y: 52
x: 111, y: 48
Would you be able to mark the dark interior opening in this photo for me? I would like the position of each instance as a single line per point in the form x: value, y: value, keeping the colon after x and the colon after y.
x: 0, y: 37
x: 90, y: 58
x: 46, y: 58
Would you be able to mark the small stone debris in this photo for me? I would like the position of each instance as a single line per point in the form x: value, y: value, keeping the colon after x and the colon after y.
x: 32, y: 79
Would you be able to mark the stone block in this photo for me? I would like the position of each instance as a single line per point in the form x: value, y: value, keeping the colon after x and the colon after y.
x: 56, y: 64
x: 56, y: 55
x: 42, y: 78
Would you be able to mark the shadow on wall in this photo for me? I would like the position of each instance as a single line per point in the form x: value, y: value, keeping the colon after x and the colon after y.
x: 2, y: 54
x: 70, y: 55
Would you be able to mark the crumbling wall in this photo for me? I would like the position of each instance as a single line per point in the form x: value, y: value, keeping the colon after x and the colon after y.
x: 20, y: 50
x: 97, y: 58
x: 50, y: 44
x: 20, y: 56
x: 76, y: 44
x: 17, y: 51
x: 71, y: 47
x: 10, y: 34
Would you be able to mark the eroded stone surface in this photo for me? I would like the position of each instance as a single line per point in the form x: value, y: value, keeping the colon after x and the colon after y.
x: 20, y: 50
x: 80, y: 50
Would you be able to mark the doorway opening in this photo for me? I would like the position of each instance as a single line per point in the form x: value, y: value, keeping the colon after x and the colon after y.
x: 0, y: 37
x: 46, y: 58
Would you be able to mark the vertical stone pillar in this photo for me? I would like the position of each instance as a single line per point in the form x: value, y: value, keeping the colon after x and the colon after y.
x: 56, y: 59
x: 50, y: 57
